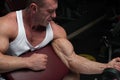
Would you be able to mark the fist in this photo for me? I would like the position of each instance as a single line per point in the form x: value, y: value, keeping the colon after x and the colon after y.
x: 37, y: 61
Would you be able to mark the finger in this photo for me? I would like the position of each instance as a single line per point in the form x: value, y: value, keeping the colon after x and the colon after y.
x: 117, y: 67
x: 117, y: 59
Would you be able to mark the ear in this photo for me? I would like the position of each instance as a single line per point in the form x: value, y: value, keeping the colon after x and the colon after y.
x: 33, y: 7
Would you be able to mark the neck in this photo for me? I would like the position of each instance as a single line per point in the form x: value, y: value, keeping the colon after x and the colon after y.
x: 27, y: 18
x: 29, y: 22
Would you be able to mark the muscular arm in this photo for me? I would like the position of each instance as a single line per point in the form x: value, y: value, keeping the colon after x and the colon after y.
x: 76, y: 63
x: 8, y: 31
x: 8, y: 63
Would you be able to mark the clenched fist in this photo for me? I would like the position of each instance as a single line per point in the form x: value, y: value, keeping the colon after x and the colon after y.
x: 37, y: 61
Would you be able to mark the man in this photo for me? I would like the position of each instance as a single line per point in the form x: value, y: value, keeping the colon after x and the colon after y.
x: 33, y: 28
x: 28, y: 29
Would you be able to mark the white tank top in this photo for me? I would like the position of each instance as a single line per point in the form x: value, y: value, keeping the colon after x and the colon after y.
x: 21, y: 44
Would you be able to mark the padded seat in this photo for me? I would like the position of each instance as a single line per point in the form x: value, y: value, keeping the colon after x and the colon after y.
x: 56, y: 70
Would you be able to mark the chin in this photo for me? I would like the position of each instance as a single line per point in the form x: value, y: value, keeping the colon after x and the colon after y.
x: 44, y: 25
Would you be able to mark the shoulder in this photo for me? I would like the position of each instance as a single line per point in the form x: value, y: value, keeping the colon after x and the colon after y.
x: 7, y: 25
x: 59, y: 31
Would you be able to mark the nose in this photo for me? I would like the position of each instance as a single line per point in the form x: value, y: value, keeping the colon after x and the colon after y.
x: 53, y: 15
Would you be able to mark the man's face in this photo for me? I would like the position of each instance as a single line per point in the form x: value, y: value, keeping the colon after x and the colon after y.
x: 46, y: 13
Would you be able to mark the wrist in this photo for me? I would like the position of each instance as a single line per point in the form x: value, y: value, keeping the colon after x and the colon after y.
x: 25, y: 62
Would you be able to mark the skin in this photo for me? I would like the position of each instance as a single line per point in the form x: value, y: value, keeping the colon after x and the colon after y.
x: 35, y: 32
x: 35, y: 25
x: 79, y: 64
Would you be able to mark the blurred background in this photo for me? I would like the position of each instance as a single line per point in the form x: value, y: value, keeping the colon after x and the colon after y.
x: 93, y: 27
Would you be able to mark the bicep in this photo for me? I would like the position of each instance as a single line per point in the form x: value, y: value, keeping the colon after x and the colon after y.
x: 63, y: 49
x: 4, y: 43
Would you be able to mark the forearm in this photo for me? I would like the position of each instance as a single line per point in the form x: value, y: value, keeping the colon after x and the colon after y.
x: 10, y: 63
x: 85, y: 66
x: 78, y: 64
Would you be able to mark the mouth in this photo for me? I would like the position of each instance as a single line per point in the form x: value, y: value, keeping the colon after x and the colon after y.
x: 49, y: 19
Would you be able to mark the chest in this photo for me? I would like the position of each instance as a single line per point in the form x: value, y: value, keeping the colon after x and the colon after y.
x: 35, y: 37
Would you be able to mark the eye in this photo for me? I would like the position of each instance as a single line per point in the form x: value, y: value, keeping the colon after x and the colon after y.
x: 51, y: 11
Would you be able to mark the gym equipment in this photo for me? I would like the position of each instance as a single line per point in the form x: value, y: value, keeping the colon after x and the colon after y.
x: 55, y: 70
x: 110, y: 74
x: 88, y: 56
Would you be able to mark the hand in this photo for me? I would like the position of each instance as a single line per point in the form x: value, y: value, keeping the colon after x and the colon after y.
x: 115, y: 63
x: 37, y: 61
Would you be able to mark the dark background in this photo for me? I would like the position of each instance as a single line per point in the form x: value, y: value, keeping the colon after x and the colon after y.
x: 99, y: 40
